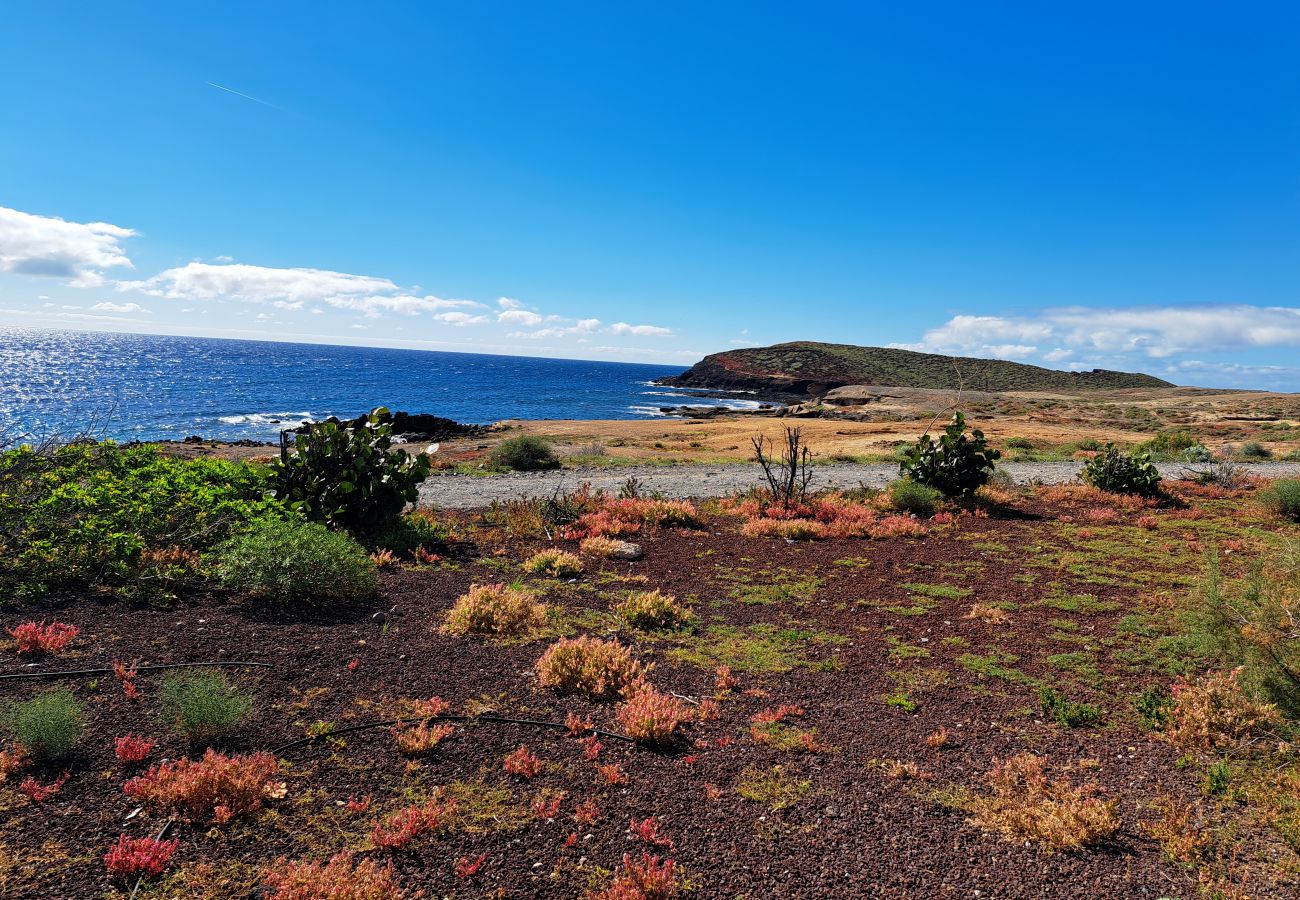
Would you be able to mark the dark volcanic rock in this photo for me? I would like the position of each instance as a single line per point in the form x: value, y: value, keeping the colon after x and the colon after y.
x: 416, y: 427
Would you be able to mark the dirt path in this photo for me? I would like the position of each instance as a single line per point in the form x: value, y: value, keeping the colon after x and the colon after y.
x: 475, y: 491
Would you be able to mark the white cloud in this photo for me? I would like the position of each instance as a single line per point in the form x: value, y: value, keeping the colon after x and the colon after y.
x: 460, y: 319
x: 522, y: 317
x: 289, y: 289
x: 641, y: 330
x: 507, y: 303
x: 119, y: 307
x: 44, y: 245
x: 1156, y: 332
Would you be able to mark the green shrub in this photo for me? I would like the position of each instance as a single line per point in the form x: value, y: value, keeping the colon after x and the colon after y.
x: 1118, y: 472
x: 909, y: 497
x: 1255, y: 450
x: 1155, y: 707
x: 955, y: 465
x: 1089, y: 444
x: 1066, y: 712
x: 1198, y: 453
x: 1019, y: 443
x: 654, y: 611
x: 86, y: 513
x: 296, y: 561
x: 417, y: 529
x: 202, y: 704
x: 524, y: 454
x: 349, y: 478
x: 1283, y: 498
x: 49, y: 725
x: 1170, y: 445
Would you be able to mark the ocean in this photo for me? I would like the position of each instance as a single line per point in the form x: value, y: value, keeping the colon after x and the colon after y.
x: 147, y: 387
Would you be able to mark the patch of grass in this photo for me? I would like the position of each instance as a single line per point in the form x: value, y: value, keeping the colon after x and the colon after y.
x: 48, y: 725
x: 902, y: 701
x: 940, y: 591
x: 1064, y: 711
x: 758, y: 649
x: 898, y: 650
x: 1079, y: 662
x: 773, y: 787
x: 482, y: 808
x: 769, y: 587
x: 202, y: 704
x: 995, y: 664
x: 1085, y: 604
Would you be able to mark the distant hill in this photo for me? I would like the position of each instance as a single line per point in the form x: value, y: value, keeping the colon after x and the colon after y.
x: 807, y: 368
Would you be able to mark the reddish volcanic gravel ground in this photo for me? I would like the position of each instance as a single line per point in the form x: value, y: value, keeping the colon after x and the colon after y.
x: 843, y: 645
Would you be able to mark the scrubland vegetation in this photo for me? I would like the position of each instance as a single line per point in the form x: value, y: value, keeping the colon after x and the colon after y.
x: 232, y: 678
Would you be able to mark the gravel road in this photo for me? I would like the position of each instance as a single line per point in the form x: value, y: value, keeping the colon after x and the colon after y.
x: 475, y: 491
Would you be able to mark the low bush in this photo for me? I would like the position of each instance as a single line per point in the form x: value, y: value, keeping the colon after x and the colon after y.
x: 602, y: 547
x: 1254, y: 450
x: 131, y: 748
x: 432, y: 817
x: 48, y: 725
x: 1025, y: 806
x: 415, y: 530
x: 523, y: 763
x: 648, y: 878
x: 1282, y: 498
x: 524, y: 454
x: 339, y: 879
x: 216, y: 787
x: 495, y: 610
x: 554, y: 564
x: 294, y: 560
x: 87, y: 513
x: 654, y: 718
x: 1116, y: 472
x: 350, y: 478
x: 910, y: 497
x: 1249, y: 623
x: 1215, y: 711
x: 955, y: 465
x: 139, y: 857
x: 40, y: 639
x: 653, y: 611
x: 202, y: 704
x: 1170, y: 445
x: 587, y: 665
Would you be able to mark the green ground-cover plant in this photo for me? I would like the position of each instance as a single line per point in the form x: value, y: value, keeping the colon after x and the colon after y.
x: 48, y: 725
x: 349, y: 478
x: 295, y: 560
x: 203, y: 704
x: 1283, y: 498
x: 524, y: 454
x: 1067, y: 712
x: 414, y: 530
x: 85, y: 514
x: 956, y: 465
x: 1117, y: 472
x: 909, y: 496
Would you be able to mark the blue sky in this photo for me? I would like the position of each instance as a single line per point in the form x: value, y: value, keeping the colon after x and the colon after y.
x: 1074, y: 185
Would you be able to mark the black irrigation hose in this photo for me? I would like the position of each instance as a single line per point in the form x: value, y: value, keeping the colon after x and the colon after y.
x: 138, y: 670
x: 494, y: 720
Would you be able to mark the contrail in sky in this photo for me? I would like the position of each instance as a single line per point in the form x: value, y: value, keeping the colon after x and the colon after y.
x: 222, y: 87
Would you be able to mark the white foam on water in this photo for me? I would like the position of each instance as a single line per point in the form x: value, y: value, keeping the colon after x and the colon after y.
x: 268, y: 418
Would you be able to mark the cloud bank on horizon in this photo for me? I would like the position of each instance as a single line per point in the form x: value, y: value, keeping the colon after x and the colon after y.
x: 1165, y: 339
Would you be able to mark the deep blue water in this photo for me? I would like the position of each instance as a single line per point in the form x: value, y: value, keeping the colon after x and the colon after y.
x: 145, y: 387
